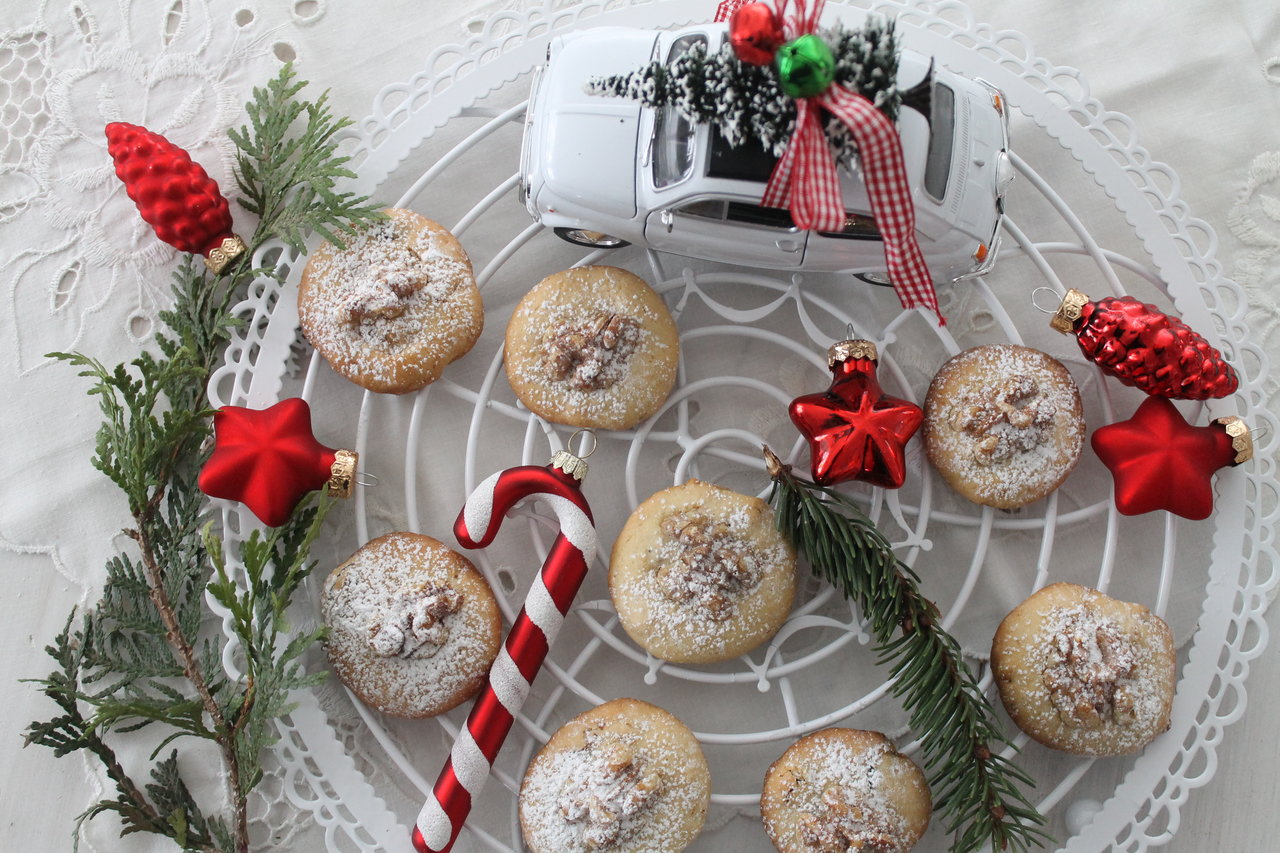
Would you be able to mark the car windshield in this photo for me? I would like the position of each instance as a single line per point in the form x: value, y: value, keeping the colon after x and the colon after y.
x: 672, y: 132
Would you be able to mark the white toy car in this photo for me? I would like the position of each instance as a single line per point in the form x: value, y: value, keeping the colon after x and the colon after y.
x: 607, y: 172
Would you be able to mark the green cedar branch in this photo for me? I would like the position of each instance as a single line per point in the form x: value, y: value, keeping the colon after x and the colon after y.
x: 140, y: 657
x: 977, y: 791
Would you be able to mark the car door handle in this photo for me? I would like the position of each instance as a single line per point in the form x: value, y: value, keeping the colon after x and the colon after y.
x: 788, y: 245
x: 668, y: 219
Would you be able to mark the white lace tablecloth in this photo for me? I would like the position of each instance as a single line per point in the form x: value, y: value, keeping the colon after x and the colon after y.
x: 1201, y: 79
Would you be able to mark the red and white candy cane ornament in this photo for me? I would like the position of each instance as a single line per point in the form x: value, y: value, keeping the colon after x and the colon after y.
x: 530, y: 638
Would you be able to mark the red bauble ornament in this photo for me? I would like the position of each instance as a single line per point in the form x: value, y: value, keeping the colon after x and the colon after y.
x: 1159, y: 461
x: 174, y: 194
x: 268, y: 459
x: 1143, y: 347
x: 856, y: 431
x: 755, y: 31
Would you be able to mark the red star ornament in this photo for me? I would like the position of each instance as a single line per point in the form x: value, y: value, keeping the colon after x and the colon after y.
x: 268, y: 459
x: 1159, y: 461
x: 856, y: 431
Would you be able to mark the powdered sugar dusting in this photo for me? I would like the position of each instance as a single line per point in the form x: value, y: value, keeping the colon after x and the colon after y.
x: 1003, y: 424
x: 712, y: 576
x: 1089, y: 669
x: 589, y: 354
x: 1083, y: 672
x: 830, y: 794
x: 705, y: 565
x: 1099, y: 680
x: 393, y: 301
x: 396, y: 637
x: 615, y: 780
x: 416, y: 622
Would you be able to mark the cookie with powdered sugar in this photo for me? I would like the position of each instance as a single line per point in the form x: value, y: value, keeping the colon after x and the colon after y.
x: 701, y: 574
x: 844, y: 789
x: 1085, y: 673
x: 1003, y: 424
x: 413, y: 627
x: 394, y: 307
x: 624, y: 777
x: 592, y: 346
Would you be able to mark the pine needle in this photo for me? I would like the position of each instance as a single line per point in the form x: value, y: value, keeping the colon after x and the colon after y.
x: 977, y: 792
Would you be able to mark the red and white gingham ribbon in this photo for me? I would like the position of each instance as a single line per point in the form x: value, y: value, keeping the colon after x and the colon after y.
x: 805, y: 182
x: 526, y: 646
x: 727, y: 8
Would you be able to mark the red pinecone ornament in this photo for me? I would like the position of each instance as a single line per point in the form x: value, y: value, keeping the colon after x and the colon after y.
x: 1146, y: 348
x: 174, y: 194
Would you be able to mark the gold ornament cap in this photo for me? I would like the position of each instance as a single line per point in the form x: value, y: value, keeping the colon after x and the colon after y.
x: 845, y: 350
x: 1068, y: 313
x: 571, y: 463
x: 224, y: 253
x: 342, y: 473
x: 1241, y: 438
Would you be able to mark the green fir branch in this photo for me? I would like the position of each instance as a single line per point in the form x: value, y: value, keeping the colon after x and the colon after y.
x: 977, y: 791
x: 142, y: 656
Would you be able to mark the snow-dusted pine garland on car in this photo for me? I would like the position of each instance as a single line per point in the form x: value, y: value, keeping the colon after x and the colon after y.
x: 747, y: 102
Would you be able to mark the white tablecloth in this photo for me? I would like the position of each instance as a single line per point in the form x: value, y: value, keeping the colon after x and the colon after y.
x: 1201, y: 79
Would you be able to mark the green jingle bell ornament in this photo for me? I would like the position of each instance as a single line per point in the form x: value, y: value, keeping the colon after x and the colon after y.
x: 806, y: 66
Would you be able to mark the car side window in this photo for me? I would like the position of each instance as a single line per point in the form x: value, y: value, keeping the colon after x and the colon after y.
x: 723, y: 210
x: 753, y: 214
x: 704, y: 208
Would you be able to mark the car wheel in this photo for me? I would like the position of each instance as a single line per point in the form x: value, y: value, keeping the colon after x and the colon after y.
x: 876, y: 278
x: 590, y: 239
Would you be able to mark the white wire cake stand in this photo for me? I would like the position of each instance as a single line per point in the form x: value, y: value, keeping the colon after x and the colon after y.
x: 1090, y: 209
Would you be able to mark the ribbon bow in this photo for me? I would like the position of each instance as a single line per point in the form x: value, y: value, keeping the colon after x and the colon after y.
x: 805, y: 182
